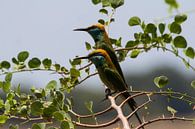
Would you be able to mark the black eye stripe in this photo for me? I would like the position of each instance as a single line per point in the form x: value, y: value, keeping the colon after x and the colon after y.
x: 92, y: 27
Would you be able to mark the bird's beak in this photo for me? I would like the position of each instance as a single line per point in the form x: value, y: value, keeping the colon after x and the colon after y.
x: 81, y: 29
x: 84, y: 57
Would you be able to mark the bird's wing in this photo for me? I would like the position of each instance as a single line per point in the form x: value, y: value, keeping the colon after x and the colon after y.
x: 115, y: 78
x: 113, y: 57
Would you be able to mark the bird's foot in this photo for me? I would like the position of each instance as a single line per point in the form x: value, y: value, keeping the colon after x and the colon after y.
x: 108, y: 93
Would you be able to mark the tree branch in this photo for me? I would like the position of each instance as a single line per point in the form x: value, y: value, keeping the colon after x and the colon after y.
x: 163, y: 119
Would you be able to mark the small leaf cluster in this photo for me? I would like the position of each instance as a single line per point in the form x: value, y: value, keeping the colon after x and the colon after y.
x: 48, y: 103
x: 109, y: 3
x: 156, y: 36
x: 23, y: 63
x: 173, y: 4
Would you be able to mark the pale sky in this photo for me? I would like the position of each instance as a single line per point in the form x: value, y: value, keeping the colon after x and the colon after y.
x: 44, y: 28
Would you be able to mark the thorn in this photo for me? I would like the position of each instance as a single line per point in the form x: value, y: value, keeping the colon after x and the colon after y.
x: 163, y: 116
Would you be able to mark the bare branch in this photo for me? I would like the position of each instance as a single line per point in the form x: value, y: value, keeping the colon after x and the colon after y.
x: 91, y: 115
x: 139, y: 107
x: 97, y: 126
x: 163, y: 119
x: 121, y: 116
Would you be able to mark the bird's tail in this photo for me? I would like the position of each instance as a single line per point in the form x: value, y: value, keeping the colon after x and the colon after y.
x: 132, y: 105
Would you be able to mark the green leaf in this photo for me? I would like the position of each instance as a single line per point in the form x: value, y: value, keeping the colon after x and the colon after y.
x: 137, y: 36
x: 89, y: 105
x: 22, y: 56
x: 60, y: 96
x: 47, y: 63
x: 180, y: 42
x: 10, y: 96
x: 3, y: 119
x: 133, y: 21
x: 105, y: 3
x: 193, y: 84
x: 145, y: 38
x: 15, y: 61
x: 51, y: 85
x: 180, y: 18
x: 88, y: 46
x: 57, y: 67
x: 121, y: 55
x: 167, y: 38
x: 1, y: 103
x: 151, y: 28
x: 74, y: 72
x: 101, y: 21
x: 39, y: 126
x: 6, y: 86
x: 1, y: 84
x: 59, y: 115
x: 34, y: 63
x: 8, y: 77
x: 161, y: 27
x: 36, y: 108
x: 13, y: 126
x: 75, y: 62
x: 190, y: 52
x: 116, y: 3
x: 23, y: 111
x: 172, y: 110
x: 64, y: 125
x: 172, y: 3
x: 5, y: 64
x: 96, y: 1
x: 175, y: 28
x: 131, y: 43
x: 118, y: 42
x: 48, y: 111
x: 104, y: 11
x: 161, y: 81
x: 7, y: 107
x: 135, y: 53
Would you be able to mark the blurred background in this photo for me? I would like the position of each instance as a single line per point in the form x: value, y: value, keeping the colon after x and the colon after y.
x: 45, y: 29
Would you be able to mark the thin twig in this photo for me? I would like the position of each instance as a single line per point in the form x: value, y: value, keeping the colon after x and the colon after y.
x: 86, y: 66
x: 139, y: 107
x: 91, y: 115
x: 84, y: 79
x: 182, y: 58
x: 163, y: 119
x: 164, y: 92
x: 32, y: 70
x: 172, y: 16
x: 96, y: 126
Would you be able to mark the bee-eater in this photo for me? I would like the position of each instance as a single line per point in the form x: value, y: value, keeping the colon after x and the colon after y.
x: 109, y: 74
x: 102, y: 41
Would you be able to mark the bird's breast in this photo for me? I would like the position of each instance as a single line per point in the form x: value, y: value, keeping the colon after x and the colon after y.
x: 104, y: 79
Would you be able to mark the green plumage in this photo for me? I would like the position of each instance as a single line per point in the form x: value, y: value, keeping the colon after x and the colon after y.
x: 111, y: 53
x: 110, y: 76
x: 107, y: 64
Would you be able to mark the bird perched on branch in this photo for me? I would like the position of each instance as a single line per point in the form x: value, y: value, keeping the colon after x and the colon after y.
x: 109, y: 75
x: 102, y: 41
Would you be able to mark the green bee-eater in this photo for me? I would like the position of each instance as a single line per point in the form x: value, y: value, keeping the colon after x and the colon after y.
x: 102, y: 41
x: 109, y: 74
